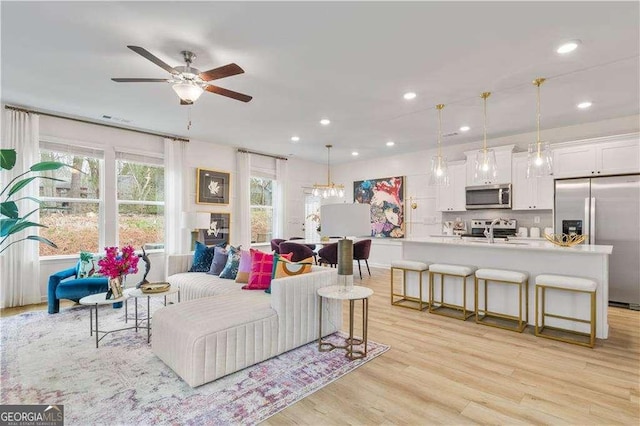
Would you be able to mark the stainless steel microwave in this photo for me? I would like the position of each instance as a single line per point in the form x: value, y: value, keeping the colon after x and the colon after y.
x: 488, y: 197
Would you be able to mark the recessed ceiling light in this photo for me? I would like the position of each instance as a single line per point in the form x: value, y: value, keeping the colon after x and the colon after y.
x: 584, y: 105
x: 325, y: 121
x: 355, y: 153
x: 569, y: 46
x: 409, y: 95
x: 465, y: 128
x: 391, y: 143
x: 295, y: 138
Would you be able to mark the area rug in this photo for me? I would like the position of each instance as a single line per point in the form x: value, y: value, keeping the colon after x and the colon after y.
x: 51, y: 359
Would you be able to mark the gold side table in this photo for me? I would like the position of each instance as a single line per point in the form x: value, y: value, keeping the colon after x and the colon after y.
x: 339, y: 293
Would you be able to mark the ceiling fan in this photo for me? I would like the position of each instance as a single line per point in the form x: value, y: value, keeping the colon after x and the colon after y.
x: 188, y: 82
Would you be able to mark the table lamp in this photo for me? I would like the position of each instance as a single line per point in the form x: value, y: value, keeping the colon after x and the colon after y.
x: 345, y: 220
x: 195, y: 222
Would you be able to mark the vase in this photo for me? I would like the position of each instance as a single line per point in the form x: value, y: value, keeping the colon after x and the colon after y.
x: 116, y: 285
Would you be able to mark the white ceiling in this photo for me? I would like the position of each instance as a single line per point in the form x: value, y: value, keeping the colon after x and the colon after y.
x: 350, y: 62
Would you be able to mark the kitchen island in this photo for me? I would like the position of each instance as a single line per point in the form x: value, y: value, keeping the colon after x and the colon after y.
x: 534, y: 257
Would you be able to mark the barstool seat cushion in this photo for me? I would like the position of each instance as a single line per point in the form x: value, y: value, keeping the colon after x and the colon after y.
x: 443, y: 268
x: 410, y: 264
x: 502, y: 275
x: 563, y: 281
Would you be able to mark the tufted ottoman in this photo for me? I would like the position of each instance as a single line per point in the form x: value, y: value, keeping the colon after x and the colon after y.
x: 205, y: 339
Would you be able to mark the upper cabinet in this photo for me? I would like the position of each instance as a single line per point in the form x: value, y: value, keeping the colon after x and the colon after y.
x: 530, y: 193
x: 452, y: 197
x: 598, y: 157
x: 503, y: 166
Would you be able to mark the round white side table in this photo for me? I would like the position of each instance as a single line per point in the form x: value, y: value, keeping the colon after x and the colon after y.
x: 94, y: 301
x: 355, y: 293
x: 136, y: 293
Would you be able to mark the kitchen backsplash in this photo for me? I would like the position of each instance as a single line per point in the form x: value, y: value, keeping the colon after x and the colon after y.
x: 523, y: 218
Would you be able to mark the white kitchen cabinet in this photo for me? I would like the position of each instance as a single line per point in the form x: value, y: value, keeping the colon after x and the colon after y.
x: 532, y: 193
x: 452, y: 197
x: 503, y: 166
x: 598, y: 157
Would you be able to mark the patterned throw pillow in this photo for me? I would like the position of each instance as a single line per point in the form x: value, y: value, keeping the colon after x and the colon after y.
x: 244, y: 269
x: 261, y: 270
x: 88, y: 265
x: 202, y: 258
x: 283, y: 267
x: 230, y: 270
x: 220, y: 256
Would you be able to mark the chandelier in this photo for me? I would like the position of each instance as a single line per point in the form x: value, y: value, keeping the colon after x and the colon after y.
x: 329, y: 189
x: 439, y: 173
x: 485, y: 168
x: 539, y: 160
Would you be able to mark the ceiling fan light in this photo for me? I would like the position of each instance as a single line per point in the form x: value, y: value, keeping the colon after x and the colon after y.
x: 188, y: 92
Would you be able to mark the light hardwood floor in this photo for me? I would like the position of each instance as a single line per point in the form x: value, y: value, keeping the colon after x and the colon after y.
x: 444, y: 371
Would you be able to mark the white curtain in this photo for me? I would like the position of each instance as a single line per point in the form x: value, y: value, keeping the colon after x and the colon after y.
x: 244, y: 197
x: 175, y: 240
x: 280, y: 197
x: 20, y: 284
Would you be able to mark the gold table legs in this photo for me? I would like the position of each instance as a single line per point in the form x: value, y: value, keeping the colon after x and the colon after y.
x: 350, y: 342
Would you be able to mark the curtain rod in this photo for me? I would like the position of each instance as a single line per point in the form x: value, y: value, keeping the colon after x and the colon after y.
x: 86, y: 121
x: 277, y: 157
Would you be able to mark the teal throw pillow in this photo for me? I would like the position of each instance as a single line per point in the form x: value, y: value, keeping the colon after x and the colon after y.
x: 202, y: 258
x: 88, y: 265
x: 230, y: 270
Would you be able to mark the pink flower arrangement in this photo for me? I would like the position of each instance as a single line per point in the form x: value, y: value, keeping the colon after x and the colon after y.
x: 113, y: 264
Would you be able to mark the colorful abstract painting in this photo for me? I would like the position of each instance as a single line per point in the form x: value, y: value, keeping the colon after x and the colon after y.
x: 386, y: 197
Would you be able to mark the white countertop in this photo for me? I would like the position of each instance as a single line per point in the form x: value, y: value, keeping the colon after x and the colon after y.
x: 518, y: 244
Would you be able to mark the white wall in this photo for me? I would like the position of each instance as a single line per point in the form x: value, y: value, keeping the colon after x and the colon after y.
x: 424, y: 220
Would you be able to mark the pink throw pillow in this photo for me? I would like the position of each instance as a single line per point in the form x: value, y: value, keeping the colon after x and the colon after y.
x: 244, y: 268
x: 261, y: 270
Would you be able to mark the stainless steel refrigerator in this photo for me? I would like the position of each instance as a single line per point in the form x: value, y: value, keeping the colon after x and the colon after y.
x: 607, y: 209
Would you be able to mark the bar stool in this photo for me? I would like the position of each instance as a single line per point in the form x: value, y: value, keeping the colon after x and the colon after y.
x: 409, y: 266
x: 521, y: 279
x: 458, y: 271
x: 570, y: 284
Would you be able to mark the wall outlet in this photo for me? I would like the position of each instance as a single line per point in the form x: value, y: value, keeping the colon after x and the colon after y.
x: 536, y: 219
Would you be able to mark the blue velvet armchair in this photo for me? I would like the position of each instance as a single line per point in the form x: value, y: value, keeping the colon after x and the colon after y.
x: 65, y: 285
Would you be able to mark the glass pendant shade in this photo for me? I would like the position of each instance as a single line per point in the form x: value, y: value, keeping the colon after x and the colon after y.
x: 485, y: 170
x: 485, y: 167
x: 539, y: 158
x: 188, y: 91
x: 439, y: 173
x: 329, y: 189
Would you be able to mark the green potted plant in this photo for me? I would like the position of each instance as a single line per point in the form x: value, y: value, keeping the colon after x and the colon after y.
x: 11, y: 220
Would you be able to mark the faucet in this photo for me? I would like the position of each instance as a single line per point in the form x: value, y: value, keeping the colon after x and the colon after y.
x: 489, y: 233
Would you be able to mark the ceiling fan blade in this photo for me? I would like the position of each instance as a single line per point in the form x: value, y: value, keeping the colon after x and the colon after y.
x: 140, y: 80
x: 221, y: 72
x: 148, y: 55
x: 228, y: 93
x: 183, y: 102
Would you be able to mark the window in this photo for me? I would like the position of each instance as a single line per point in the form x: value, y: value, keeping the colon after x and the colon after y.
x: 140, y: 199
x: 71, y: 207
x: 262, y: 211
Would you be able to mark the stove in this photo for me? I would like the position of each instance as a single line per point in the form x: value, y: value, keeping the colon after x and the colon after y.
x: 502, y: 229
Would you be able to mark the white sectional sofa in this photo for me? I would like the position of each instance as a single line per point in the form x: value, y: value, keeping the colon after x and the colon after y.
x: 218, y: 328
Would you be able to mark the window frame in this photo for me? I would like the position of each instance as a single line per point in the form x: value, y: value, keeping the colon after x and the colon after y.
x: 272, y: 207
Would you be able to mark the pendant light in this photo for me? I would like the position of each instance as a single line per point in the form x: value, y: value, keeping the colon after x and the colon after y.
x: 330, y: 189
x: 539, y: 159
x: 439, y: 173
x: 485, y: 167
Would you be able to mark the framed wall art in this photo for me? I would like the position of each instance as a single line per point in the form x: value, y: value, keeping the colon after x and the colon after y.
x: 219, y: 230
x: 212, y: 187
x: 386, y: 197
